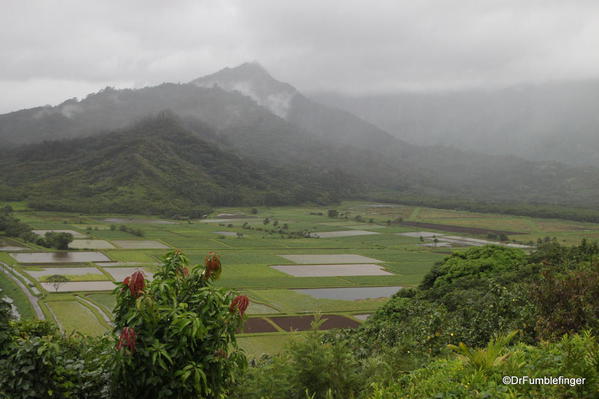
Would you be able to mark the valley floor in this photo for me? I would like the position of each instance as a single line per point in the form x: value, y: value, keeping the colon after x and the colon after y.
x: 295, y: 263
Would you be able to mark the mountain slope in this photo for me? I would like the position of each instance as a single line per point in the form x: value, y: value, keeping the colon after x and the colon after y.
x: 544, y: 122
x: 269, y: 124
x: 285, y: 101
x: 155, y: 166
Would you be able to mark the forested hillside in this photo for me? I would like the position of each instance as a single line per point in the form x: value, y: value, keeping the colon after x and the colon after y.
x: 247, y: 114
x: 478, y: 316
x: 156, y: 166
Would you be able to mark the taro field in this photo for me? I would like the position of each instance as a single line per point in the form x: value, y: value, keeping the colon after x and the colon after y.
x: 295, y: 263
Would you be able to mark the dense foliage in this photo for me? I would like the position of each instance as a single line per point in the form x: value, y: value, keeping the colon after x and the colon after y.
x: 510, y: 207
x: 479, y: 315
x: 174, y: 337
x: 40, y: 362
x: 13, y: 227
x: 177, y: 333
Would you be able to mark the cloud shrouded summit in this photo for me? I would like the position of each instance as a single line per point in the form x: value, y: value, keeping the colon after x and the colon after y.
x: 56, y: 50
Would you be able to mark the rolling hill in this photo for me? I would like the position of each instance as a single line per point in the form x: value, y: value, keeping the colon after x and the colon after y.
x: 154, y: 166
x: 296, y: 150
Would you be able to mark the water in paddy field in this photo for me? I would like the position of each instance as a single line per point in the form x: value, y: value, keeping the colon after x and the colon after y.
x: 60, y: 257
x: 350, y: 294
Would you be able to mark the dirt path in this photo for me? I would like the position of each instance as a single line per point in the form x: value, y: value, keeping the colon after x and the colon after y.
x: 32, y: 299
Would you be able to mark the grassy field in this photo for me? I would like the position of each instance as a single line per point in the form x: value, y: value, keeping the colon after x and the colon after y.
x: 73, y: 316
x: 247, y: 259
x: 12, y: 290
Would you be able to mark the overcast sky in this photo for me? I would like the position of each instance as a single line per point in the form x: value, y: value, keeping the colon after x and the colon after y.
x: 54, y: 50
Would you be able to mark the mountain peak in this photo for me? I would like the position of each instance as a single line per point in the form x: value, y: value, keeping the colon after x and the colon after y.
x: 253, y: 80
x: 253, y: 68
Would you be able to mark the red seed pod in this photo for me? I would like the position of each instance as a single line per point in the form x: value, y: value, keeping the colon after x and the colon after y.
x: 127, y: 339
x: 239, y: 303
x: 137, y: 284
x: 185, y: 272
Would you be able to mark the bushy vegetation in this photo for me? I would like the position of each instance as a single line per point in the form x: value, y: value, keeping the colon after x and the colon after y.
x: 588, y: 213
x: 127, y: 229
x: 55, y: 240
x: 13, y: 227
x: 174, y: 337
x: 479, y: 315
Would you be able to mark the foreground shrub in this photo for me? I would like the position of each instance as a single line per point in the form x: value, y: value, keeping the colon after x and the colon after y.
x: 175, y: 336
x: 478, y: 373
x: 308, y: 368
x: 42, y: 363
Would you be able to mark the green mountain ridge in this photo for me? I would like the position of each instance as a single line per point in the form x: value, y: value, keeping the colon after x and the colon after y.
x: 246, y: 113
x: 155, y: 166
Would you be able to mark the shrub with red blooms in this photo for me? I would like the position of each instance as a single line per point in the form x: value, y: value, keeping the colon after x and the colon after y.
x: 127, y: 339
x: 240, y: 303
x: 179, y: 332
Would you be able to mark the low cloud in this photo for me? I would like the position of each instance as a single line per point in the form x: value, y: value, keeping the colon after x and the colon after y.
x: 55, y: 50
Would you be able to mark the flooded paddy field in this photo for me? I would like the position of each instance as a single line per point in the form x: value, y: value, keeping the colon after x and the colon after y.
x: 226, y: 233
x: 74, y: 233
x: 7, y: 245
x: 91, y: 244
x: 139, y: 244
x: 138, y: 221
x: 343, y: 233
x: 65, y: 271
x: 229, y: 220
x: 332, y: 270
x: 459, y: 229
x: 333, y: 259
x: 80, y: 286
x: 350, y: 294
x: 60, y: 257
x: 120, y: 273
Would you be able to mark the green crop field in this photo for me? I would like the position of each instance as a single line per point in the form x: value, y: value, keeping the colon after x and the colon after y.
x: 247, y: 257
x: 73, y: 316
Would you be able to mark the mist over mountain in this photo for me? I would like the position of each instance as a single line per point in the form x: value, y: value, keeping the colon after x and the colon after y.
x: 545, y: 122
x: 154, y: 166
x: 247, y: 116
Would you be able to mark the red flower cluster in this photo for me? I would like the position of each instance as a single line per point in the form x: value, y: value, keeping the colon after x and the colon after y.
x: 136, y: 283
x: 127, y: 339
x: 239, y: 303
x: 212, y: 263
x: 185, y: 272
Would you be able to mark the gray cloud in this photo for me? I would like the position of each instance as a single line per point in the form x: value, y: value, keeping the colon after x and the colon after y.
x: 55, y: 50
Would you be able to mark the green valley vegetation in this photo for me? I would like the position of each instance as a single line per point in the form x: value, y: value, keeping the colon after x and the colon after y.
x: 127, y: 229
x: 13, y: 227
x: 218, y: 147
x: 478, y: 316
